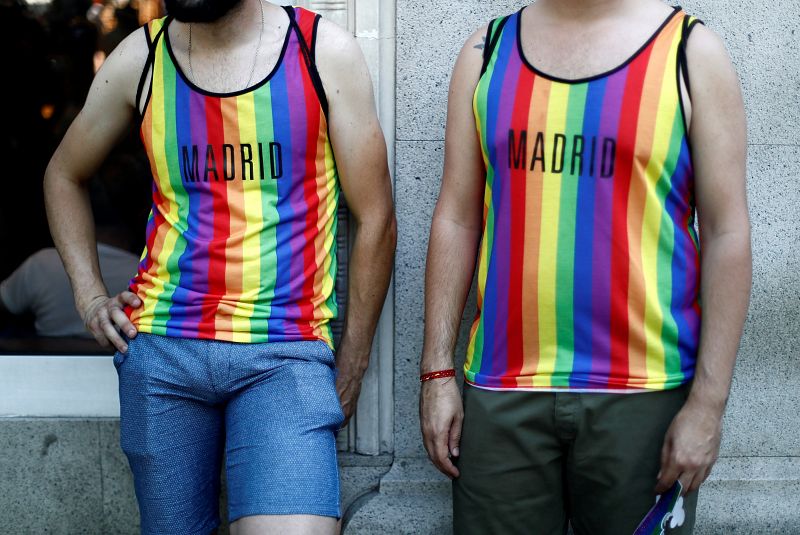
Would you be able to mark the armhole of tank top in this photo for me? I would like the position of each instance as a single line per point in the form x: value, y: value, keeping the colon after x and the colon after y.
x: 492, y: 38
x: 313, y: 44
x: 143, y: 76
x: 682, y: 70
x: 308, y: 50
x: 487, y: 39
x: 315, y: 77
x: 147, y: 69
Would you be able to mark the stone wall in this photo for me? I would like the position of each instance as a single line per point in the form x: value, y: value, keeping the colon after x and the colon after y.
x: 66, y: 476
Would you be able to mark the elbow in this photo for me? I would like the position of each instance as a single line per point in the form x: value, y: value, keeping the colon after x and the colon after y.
x: 50, y: 184
x: 734, y: 237
x: 731, y: 251
x: 379, y: 227
x: 386, y: 226
x: 49, y: 179
x: 732, y: 231
x: 54, y: 178
x: 391, y: 232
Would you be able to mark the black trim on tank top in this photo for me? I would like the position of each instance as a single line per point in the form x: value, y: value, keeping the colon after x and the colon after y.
x: 238, y: 92
x: 487, y: 39
x: 682, y: 72
x: 143, y: 76
x: 521, y: 52
x: 148, y: 65
x: 492, y: 38
x: 313, y: 44
x: 315, y: 76
x: 682, y: 59
x: 308, y: 55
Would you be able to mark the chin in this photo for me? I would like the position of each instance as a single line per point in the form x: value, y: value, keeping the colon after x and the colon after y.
x: 199, y: 10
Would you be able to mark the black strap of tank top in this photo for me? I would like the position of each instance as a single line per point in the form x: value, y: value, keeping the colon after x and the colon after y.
x: 492, y: 38
x: 151, y: 54
x: 682, y: 61
x: 308, y: 55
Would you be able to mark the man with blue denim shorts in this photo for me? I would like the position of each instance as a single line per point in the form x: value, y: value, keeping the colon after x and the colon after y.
x: 224, y: 340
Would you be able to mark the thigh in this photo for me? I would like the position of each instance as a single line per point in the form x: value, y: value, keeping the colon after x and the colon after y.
x: 510, y: 464
x: 281, y: 445
x: 172, y: 437
x: 616, y: 456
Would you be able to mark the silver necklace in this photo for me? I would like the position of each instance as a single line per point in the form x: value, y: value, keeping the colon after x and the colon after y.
x: 255, y: 58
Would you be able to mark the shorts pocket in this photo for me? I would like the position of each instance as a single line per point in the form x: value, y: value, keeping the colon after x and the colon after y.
x: 119, y: 357
x: 331, y: 360
x: 326, y: 353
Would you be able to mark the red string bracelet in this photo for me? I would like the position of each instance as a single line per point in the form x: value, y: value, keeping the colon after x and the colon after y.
x: 437, y: 375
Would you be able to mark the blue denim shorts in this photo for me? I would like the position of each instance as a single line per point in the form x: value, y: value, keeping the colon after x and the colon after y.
x: 270, y: 409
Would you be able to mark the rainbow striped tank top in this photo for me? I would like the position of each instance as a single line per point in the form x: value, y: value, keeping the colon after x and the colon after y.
x: 241, y: 236
x: 588, y: 276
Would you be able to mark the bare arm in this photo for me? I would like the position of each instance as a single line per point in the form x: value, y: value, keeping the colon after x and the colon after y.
x: 452, y: 251
x: 360, y: 152
x: 718, y: 138
x: 105, y: 117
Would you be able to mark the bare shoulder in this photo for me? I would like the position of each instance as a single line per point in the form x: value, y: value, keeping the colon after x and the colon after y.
x: 470, y: 59
x: 477, y: 41
x: 706, y: 49
x: 342, y: 67
x: 335, y: 45
x: 716, y: 95
x: 134, y: 47
x: 714, y: 79
x: 123, y: 67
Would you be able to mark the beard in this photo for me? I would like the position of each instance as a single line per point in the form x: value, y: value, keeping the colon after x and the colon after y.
x: 199, y: 10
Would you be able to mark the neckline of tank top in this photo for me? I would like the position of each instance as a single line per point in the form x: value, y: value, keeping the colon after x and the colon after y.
x: 586, y: 79
x: 179, y: 69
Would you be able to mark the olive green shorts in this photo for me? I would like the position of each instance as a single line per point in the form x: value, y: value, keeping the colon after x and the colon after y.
x: 535, y: 462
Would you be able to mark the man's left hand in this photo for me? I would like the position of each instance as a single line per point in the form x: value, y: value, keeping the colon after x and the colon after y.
x: 351, y: 369
x: 691, y: 447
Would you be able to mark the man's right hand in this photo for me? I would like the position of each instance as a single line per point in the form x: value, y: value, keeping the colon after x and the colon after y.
x: 103, y: 315
x: 441, y: 414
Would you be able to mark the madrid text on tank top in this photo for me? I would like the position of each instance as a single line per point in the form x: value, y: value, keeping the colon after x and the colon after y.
x: 588, y: 276
x: 241, y: 235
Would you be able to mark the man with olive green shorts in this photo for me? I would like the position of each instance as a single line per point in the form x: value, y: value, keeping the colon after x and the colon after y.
x: 582, y: 139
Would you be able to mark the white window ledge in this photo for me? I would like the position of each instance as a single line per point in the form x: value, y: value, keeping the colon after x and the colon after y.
x: 65, y: 386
